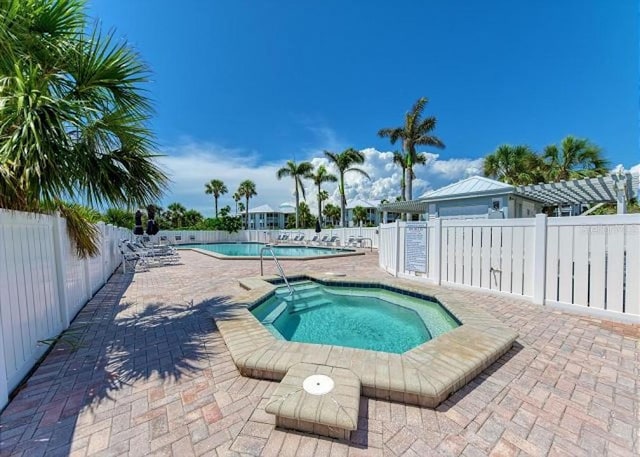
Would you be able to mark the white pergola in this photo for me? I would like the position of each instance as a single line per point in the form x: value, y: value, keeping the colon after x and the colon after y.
x: 616, y: 188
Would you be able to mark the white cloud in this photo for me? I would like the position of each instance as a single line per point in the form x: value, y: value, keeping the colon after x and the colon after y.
x: 192, y: 164
x: 635, y: 169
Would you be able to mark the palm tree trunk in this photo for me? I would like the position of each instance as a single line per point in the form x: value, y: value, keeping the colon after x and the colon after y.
x: 297, y: 206
x: 246, y: 214
x: 319, y: 207
x: 403, y: 184
x: 216, y: 200
x: 343, y: 216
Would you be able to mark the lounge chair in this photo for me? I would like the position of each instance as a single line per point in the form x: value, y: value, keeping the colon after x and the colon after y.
x: 313, y: 240
x: 160, y: 256
x: 332, y: 241
x: 323, y: 240
x: 133, y: 260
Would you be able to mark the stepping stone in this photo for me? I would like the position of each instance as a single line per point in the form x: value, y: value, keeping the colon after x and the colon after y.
x: 317, y: 399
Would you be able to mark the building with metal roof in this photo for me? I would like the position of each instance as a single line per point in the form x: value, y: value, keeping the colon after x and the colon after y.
x: 480, y: 197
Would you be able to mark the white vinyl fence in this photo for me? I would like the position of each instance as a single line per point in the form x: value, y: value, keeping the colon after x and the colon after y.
x: 43, y: 285
x: 265, y: 236
x: 583, y: 263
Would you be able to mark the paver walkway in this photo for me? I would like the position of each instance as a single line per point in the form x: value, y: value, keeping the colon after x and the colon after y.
x: 153, y: 376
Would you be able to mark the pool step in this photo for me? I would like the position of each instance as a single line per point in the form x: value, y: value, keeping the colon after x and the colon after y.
x: 308, y: 305
x: 273, y: 315
x: 304, y: 294
x: 299, y: 287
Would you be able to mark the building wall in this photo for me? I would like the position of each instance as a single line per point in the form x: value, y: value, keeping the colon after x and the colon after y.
x: 470, y: 208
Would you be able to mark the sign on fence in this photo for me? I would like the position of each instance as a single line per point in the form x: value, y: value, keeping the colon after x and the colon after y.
x: 415, y: 247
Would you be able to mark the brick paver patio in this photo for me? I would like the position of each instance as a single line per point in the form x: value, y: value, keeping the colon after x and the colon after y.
x: 153, y: 376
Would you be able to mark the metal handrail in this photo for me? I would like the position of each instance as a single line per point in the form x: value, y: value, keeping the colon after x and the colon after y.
x: 268, y: 247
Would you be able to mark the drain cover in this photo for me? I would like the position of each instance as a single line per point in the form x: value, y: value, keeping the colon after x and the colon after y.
x: 318, y: 384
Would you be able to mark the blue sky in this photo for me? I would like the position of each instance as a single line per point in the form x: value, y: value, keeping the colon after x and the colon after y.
x: 242, y: 86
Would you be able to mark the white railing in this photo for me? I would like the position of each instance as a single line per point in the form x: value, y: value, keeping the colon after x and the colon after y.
x: 589, y: 264
x: 43, y: 284
x: 216, y: 236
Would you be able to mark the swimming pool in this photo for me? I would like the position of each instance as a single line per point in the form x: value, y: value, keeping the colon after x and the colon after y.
x: 253, y: 250
x: 357, y: 317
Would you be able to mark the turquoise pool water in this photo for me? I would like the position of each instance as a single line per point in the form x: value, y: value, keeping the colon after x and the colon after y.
x: 358, y: 317
x: 253, y: 250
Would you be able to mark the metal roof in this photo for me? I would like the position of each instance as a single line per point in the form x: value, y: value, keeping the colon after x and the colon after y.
x: 474, y: 185
x: 602, y: 189
x: 364, y: 203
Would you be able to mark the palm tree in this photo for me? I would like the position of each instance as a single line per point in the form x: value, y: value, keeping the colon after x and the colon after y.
x: 217, y: 188
x: 323, y: 196
x: 515, y: 165
x: 247, y: 189
x: 331, y: 212
x: 415, y: 131
x: 237, y: 197
x: 298, y: 171
x: 344, y: 162
x: 399, y: 159
x: 575, y: 158
x: 319, y: 177
x: 359, y: 214
x: 175, y: 214
x: 73, y: 114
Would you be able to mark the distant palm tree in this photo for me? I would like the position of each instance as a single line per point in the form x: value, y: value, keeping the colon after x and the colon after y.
x: 247, y: 189
x: 344, y: 162
x: 298, y: 171
x: 414, y: 132
x: 237, y: 197
x: 319, y: 177
x: 331, y: 212
x: 399, y: 159
x: 217, y: 188
x: 359, y: 214
x: 515, y: 165
x: 175, y: 214
x: 575, y: 158
x: 323, y: 196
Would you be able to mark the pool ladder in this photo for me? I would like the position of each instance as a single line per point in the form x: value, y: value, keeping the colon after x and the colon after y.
x: 268, y: 247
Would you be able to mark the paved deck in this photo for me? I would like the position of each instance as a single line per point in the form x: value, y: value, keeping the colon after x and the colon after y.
x: 153, y: 376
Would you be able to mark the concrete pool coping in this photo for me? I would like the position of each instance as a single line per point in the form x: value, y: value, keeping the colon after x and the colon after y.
x: 425, y: 375
x: 346, y: 253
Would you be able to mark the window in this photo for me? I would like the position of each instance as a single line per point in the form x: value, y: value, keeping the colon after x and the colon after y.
x: 495, y: 204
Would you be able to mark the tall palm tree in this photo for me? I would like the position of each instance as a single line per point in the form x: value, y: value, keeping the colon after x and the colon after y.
x: 344, y: 162
x: 237, y: 197
x: 319, y: 177
x: 247, y: 189
x: 298, y: 171
x: 73, y: 113
x: 415, y: 131
x: 217, y: 188
x: 575, y: 158
x: 515, y: 165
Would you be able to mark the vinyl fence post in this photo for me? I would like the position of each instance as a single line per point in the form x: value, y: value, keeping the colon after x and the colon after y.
x: 59, y: 251
x: 437, y: 250
x: 397, y: 232
x: 540, y: 259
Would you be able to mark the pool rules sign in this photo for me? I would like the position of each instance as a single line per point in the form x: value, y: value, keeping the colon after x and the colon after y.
x: 415, y: 247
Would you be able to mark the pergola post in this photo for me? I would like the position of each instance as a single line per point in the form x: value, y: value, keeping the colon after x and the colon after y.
x: 621, y: 197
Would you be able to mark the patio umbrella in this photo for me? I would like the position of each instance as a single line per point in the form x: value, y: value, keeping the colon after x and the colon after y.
x: 318, y: 229
x: 138, y: 230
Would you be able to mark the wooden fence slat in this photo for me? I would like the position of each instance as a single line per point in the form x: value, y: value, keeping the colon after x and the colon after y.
x: 517, y: 264
x: 597, y: 259
x: 581, y: 266
x: 552, y: 264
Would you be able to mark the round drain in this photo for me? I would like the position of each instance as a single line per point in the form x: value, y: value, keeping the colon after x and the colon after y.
x: 318, y: 384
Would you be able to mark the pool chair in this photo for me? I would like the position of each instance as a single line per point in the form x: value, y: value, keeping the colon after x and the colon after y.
x: 313, y: 240
x: 153, y: 255
x: 192, y: 238
x: 333, y: 241
x: 301, y: 239
x: 155, y: 249
x: 178, y: 238
x: 132, y: 261
x: 353, y: 242
x: 323, y: 240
